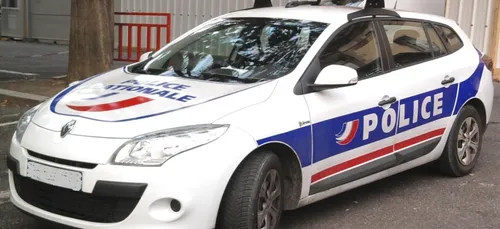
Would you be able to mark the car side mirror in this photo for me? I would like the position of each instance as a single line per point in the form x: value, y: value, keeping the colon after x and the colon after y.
x: 334, y: 76
x: 146, y: 56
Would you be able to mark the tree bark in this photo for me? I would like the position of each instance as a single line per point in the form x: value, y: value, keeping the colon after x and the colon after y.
x: 91, y: 38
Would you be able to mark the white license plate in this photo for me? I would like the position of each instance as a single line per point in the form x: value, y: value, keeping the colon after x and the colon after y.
x: 55, y: 176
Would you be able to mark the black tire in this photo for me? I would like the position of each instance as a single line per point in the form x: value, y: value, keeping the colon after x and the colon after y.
x: 241, y: 203
x: 449, y: 162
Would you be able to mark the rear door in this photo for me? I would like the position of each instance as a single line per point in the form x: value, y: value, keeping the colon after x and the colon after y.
x: 426, y: 87
x: 352, y: 130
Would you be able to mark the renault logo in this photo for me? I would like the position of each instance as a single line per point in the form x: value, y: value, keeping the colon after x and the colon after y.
x: 67, y: 128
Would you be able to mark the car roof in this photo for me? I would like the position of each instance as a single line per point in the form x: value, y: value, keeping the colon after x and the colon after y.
x: 325, y: 13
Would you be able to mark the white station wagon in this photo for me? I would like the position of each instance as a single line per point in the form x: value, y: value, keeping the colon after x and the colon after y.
x: 252, y: 113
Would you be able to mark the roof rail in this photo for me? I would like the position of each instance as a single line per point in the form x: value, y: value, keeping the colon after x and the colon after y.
x: 373, y: 8
x: 301, y: 3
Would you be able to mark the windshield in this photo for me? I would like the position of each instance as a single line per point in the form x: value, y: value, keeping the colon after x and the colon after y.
x: 239, y: 50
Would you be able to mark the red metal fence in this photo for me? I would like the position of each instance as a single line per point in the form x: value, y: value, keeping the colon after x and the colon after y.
x: 128, y: 37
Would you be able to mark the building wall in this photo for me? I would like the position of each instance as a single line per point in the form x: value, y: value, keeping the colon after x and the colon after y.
x: 475, y: 17
x: 12, y: 23
x: 49, y: 19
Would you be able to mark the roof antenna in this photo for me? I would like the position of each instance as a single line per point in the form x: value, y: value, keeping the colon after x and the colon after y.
x: 262, y: 3
x: 396, y: 5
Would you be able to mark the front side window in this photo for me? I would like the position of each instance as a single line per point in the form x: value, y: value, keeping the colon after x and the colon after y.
x: 355, y: 46
x: 408, y: 42
x: 244, y: 50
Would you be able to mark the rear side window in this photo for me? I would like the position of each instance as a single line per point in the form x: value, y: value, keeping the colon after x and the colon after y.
x: 438, y: 47
x: 408, y: 42
x: 357, y: 47
x: 450, y: 38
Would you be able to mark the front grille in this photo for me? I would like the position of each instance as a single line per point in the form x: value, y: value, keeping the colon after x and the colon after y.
x: 77, y: 205
x: 77, y: 164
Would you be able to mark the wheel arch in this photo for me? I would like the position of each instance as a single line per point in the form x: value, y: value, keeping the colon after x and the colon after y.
x: 291, y: 167
x: 480, y: 108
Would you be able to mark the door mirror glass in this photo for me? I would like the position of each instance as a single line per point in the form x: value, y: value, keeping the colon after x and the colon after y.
x: 335, y: 76
x: 146, y: 56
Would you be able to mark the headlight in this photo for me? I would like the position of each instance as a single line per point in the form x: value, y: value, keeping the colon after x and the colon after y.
x: 156, y: 148
x: 24, y: 121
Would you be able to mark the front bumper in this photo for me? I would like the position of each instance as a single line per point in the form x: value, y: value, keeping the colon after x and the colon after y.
x: 133, y: 197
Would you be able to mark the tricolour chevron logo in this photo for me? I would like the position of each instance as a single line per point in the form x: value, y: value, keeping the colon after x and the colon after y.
x: 348, y: 132
x: 109, y: 106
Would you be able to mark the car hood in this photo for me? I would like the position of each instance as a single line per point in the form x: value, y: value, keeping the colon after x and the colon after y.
x: 118, y: 104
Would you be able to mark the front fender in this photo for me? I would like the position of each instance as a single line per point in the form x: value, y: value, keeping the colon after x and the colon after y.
x: 486, y: 93
x: 203, y: 174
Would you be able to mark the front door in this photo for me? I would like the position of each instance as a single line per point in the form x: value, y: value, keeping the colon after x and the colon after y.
x: 353, y: 127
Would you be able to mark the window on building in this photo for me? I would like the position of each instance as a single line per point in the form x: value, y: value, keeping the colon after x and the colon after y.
x: 356, y: 47
x: 437, y: 45
x: 9, y: 3
x: 451, y: 39
x: 408, y: 42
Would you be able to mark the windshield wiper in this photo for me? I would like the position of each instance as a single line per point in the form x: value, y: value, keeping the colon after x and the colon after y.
x: 227, y: 77
x: 140, y: 71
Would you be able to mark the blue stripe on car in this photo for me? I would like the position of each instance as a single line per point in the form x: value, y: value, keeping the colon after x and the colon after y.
x: 325, y: 146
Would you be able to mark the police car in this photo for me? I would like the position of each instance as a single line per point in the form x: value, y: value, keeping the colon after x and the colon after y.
x: 252, y: 113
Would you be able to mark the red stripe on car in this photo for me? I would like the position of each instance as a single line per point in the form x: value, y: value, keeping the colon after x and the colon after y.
x: 112, y: 106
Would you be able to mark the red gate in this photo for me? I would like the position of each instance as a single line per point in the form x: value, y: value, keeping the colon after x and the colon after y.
x: 126, y: 32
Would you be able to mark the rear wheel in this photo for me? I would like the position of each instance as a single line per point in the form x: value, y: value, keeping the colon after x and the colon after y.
x: 464, y: 144
x: 254, y: 196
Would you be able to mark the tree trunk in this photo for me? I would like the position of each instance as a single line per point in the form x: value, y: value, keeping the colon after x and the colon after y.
x: 91, y: 38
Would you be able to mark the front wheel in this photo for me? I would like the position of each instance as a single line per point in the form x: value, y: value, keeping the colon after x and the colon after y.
x: 254, y: 196
x: 464, y: 144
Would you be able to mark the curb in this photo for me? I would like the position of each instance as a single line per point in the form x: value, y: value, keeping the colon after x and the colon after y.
x: 58, y: 77
x: 22, y: 95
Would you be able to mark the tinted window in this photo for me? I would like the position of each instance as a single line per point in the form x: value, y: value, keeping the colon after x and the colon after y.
x: 356, y: 46
x: 437, y: 44
x: 408, y: 42
x: 450, y: 38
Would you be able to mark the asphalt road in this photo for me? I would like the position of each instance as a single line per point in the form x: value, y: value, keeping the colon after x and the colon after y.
x: 417, y: 199
x: 22, y: 60
x: 17, y: 61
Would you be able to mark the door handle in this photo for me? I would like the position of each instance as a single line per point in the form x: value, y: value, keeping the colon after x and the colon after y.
x: 388, y: 101
x: 448, y: 80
